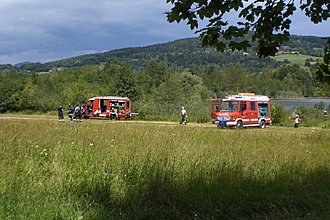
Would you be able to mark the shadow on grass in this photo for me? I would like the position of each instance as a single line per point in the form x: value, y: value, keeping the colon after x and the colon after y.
x: 155, y: 193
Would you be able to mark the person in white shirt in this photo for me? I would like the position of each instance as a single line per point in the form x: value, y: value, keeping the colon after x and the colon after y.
x: 325, y: 113
x: 296, y: 121
x: 183, y: 116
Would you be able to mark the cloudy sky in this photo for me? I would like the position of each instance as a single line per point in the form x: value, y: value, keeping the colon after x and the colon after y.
x: 46, y: 30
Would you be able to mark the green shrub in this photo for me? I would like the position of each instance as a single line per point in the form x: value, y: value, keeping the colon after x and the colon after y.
x: 279, y: 115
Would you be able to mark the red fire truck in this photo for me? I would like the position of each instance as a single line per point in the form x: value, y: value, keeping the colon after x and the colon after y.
x: 242, y: 110
x: 112, y: 107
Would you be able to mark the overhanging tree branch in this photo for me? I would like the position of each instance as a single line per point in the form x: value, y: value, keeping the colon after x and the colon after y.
x: 269, y: 20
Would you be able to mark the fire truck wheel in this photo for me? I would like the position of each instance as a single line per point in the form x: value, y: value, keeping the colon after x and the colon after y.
x: 239, y: 124
x: 262, y: 124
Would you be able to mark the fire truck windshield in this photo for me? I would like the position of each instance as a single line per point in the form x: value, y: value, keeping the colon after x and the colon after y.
x: 229, y: 106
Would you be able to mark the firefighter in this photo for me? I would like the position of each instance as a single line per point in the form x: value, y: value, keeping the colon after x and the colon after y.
x: 260, y: 113
x: 89, y: 107
x: 60, y: 113
x: 183, y: 116
x: 70, y: 112
x: 113, y: 112
x: 84, y: 110
x: 325, y: 113
x: 296, y: 121
x: 77, y: 111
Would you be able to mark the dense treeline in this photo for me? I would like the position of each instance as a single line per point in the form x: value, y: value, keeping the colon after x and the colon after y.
x: 157, y: 90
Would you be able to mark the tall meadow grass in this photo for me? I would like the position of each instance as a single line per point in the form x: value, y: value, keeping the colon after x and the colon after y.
x: 127, y: 170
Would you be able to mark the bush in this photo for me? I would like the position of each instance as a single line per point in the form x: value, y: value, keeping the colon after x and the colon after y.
x: 279, y: 115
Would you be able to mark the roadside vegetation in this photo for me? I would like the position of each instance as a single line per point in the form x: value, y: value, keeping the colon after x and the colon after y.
x: 109, y: 170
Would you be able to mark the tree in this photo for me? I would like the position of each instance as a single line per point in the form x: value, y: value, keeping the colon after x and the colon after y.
x: 121, y: 80
x: 11, y: 86
x: 323, y: 72
x: 269, y: 20
x: 169, y: 93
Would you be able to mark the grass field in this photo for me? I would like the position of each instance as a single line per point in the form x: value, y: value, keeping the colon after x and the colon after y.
x: 100, y: 169
x: 293, y: 58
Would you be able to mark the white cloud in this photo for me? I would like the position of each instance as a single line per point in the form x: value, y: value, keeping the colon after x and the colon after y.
x: 302, y: 25
x: 41, y: 30
x: 65, y: 26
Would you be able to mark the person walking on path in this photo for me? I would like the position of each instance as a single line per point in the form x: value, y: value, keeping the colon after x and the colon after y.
x: 183, y: 116
x: 60, y: 113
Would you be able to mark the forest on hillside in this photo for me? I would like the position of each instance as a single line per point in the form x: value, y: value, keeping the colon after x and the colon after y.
x: 184, y: 53
x: 157, y: 91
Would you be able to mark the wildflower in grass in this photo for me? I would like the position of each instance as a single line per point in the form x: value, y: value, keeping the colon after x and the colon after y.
x: 44, y: 152
x: 91, y: 144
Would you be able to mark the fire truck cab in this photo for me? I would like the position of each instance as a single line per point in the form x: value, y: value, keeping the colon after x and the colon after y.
x: 113, y: 107
x: 242, y: 110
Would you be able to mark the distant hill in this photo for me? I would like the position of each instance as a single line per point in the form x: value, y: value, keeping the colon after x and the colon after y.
x: 186, y: 53
x: 6, y: 67
x: 19, y: 65
x: 306, y: 45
